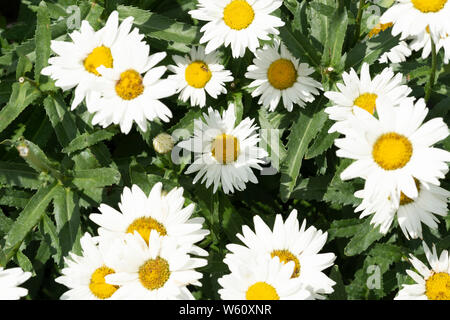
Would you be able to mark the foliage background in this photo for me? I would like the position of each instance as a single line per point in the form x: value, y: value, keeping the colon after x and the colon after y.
x: 55, y: 168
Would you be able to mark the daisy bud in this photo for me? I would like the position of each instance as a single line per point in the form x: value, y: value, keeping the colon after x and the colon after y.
x: 163, y: 143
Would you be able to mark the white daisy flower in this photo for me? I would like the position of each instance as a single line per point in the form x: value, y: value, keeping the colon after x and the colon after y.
x: 279, y: 75
x: 422, y: 42
x: 411, y: 17
x: 364, y: 93
x: 163, y: 213
x: 77, y: 61
x: 289, y: 242
x: 85, y: 275
x: 239, y: 23
x: 431, y: 284
x: 10, y: 280
x: 132, y: 89
x: 411, y: 213
x: 159, y: 270
x: 199, y: 72
x: 261, y: 278
x: 397, y: 54
x: 224, y: 154
x: 393, y: 150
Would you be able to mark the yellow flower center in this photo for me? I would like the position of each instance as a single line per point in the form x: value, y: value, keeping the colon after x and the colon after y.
x: 225, y: 148
x: 427, y: 6
x: 404, y: 200
x: 238, y: 14
x: 98, y: 286
x: 367, y: 101
x: 379, y: 27
x: 129, y: 85
x: 286, y: 256
x: 144, y: 225
x: 100, y: 56
x: 154, y: 273
x: 438, y: 286
x: 261, y: 291
x: 282, y: 74
x: 392, y: 151
x: 197, y: 74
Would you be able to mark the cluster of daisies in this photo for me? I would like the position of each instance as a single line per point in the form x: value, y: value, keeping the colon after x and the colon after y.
x: 149, y: 248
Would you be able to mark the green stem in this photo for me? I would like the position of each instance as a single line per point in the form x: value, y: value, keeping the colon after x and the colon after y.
x: 431, y: 81
x: 362, y: 3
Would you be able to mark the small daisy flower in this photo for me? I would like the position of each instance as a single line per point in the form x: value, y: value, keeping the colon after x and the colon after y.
x: 224, y: 154
x: 431, y: 284
x: 393, y: 150
x: 85, y: 275
x: 278, y: 75
x: 411, y: 17
x: 411, y: 213
x: 10, y: 280
x: 239, y: 23
x: 76, y: 63
x: 162, y: 213
x: 261, y: 278
x: 289, y: 242
x: 132, y: 90
x: 159, y: 270
x: 364, y: 93
x: 198, y: 73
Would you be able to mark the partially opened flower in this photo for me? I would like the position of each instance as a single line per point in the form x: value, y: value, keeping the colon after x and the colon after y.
x: 224, y: 152
x: 422, y: 42
x: 197, y: 74
x: 431, y: 284
x: 237, y: 23
x: 10, y: 280
x: 76, y: 63
x: 290, y: 242
x: 278, y: 75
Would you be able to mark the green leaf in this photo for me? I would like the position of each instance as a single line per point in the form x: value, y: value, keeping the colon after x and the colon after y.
x: 24, y: 65
x: 271, y: 139
x: 21, y: 97
x: 67, y: 217
x: 28, y: 218
x: 332, y: 52
x: 14, y: 198
x: 5, y: 223
x: 51, y: 237
x: 163, y: 28
x: 365, y: 236
x: 93, y: 181
x: 344, y: 228
x: 322, y: 142
x: 19, y: 175
x: 302, y: 133
x: 62, y: 120
x: 339, y: 288
x: 88, y: 139
x: 24, y: 262
x: 43, y: 37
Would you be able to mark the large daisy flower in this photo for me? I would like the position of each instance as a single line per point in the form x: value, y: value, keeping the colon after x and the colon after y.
x: 161, y: 212
x: 431, y: 284
x: 77, y: 61
x: 393, y: 150
x: 289, y: 242
x: 159, y: 270
x: 261, y: 278
x: 132, y: 90
x: 10, y: 280
x: 199, y: 72
x: 239, y: 23
x: 85, y: 275
x: 411, y: 17
x: 364, y: 93
x: 224, y: 154
x: 411, y: 213
x: 278, y: 75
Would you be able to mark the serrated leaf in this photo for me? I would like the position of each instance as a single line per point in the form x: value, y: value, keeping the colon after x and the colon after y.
x: 51, y: 237
x: 28, y: 218
x: 302, y: 133
x: 344, y: 228
x: 365, y: 236
x: 42, y: 39
x: 19, y: 175
x: 14, y: 198
x: 339, y: 288
x: 21, y: 97
x: 5, y: 223
x: 62, y: 120
x: 322, y: 142
x: 88, y: 139
x: 332, y: 53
